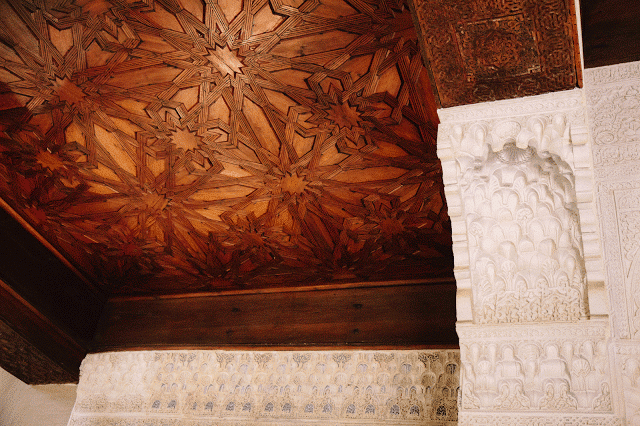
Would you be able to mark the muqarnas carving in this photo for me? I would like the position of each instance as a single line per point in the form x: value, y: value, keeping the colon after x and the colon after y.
x: 522, y: 221
x: 552, y: 376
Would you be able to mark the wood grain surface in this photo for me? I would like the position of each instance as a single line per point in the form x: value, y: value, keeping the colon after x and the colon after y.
x: 610, y: 32
x: 409, y: 316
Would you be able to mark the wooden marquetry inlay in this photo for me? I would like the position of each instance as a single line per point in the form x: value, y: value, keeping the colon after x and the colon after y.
x: 173, y: 146
x: 486, y: 50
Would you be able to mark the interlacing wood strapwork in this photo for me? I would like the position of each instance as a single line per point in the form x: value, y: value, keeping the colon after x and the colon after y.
x: 180, y: 145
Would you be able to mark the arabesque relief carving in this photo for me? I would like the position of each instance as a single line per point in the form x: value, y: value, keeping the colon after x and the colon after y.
x: 517, y: 374
x: 404, y: 387
x: 521, y: 214
x: 629, y: 375
x: 549, y: 376
x: 530, y: 301
x: 614, y: 111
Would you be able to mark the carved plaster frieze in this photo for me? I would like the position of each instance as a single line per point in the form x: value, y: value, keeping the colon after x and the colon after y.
x: 566, y: 101
x: 519, y: 189
x: 619, y: 215
x: 555, y: 367
x: 475, y: 419
x: 614, y: 113
x: 391, y: 387
x: 620, y: 73
x: 581, y: 330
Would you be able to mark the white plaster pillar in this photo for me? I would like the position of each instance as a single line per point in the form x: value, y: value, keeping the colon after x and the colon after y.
x: 531, y: 303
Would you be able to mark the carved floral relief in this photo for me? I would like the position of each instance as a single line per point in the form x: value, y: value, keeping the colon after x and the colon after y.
x: 629, y: 373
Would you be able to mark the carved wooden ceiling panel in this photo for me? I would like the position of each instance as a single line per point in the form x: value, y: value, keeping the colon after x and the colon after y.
x: 486, y: 50
x: 170, y: 146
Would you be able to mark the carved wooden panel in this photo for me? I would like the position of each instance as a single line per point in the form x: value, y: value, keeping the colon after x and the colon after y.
x: 187, y: 145
x: 484, y: 50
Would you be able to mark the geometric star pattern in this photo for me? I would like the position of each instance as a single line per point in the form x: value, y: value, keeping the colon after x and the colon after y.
x: 176, y: 146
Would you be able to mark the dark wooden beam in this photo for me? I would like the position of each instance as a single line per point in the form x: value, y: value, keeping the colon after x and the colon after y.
x: 377, y: 317
x: 46, y: 282
x: 34, y: 349
x: 486, y: 51
x: 28, y: 363
x: 610, y: 31
x: 48, y: 313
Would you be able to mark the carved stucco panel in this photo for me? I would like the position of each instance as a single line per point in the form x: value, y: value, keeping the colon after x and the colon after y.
x: 628, y: 372
x: 474, y: 419
x: 563, y: 368
x: 519, y: 188
x: 614, y: 113
x: 228, y: 388
x: 519, y: 183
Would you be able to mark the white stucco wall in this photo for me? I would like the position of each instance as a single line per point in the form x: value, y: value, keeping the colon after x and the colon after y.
x: 24, y: 405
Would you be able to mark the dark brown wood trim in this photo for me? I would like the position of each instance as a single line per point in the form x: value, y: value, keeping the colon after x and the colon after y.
x: 576, y: 41
x: 27, y: 226
x: 306, y: 288
x: 610, y: 31
x: 23, y: 360
x: 408, y: 316
x: 350, y: 347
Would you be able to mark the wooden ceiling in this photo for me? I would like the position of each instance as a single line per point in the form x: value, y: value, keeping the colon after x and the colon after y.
x: 175, y: 147
x: 256, y: 173
x: 611, y: 31
x: 262, y: 173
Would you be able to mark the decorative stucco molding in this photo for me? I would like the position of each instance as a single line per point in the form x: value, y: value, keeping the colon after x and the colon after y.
x: 519, y: 186
x: 628, y: 361
x: 275, y: 388
x: 613, y: 99
x: 620, y: 73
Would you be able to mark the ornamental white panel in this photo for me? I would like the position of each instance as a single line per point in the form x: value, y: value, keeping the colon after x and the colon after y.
x: 614, y: 111
x: 275, y: 388
x: 552, y: 367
